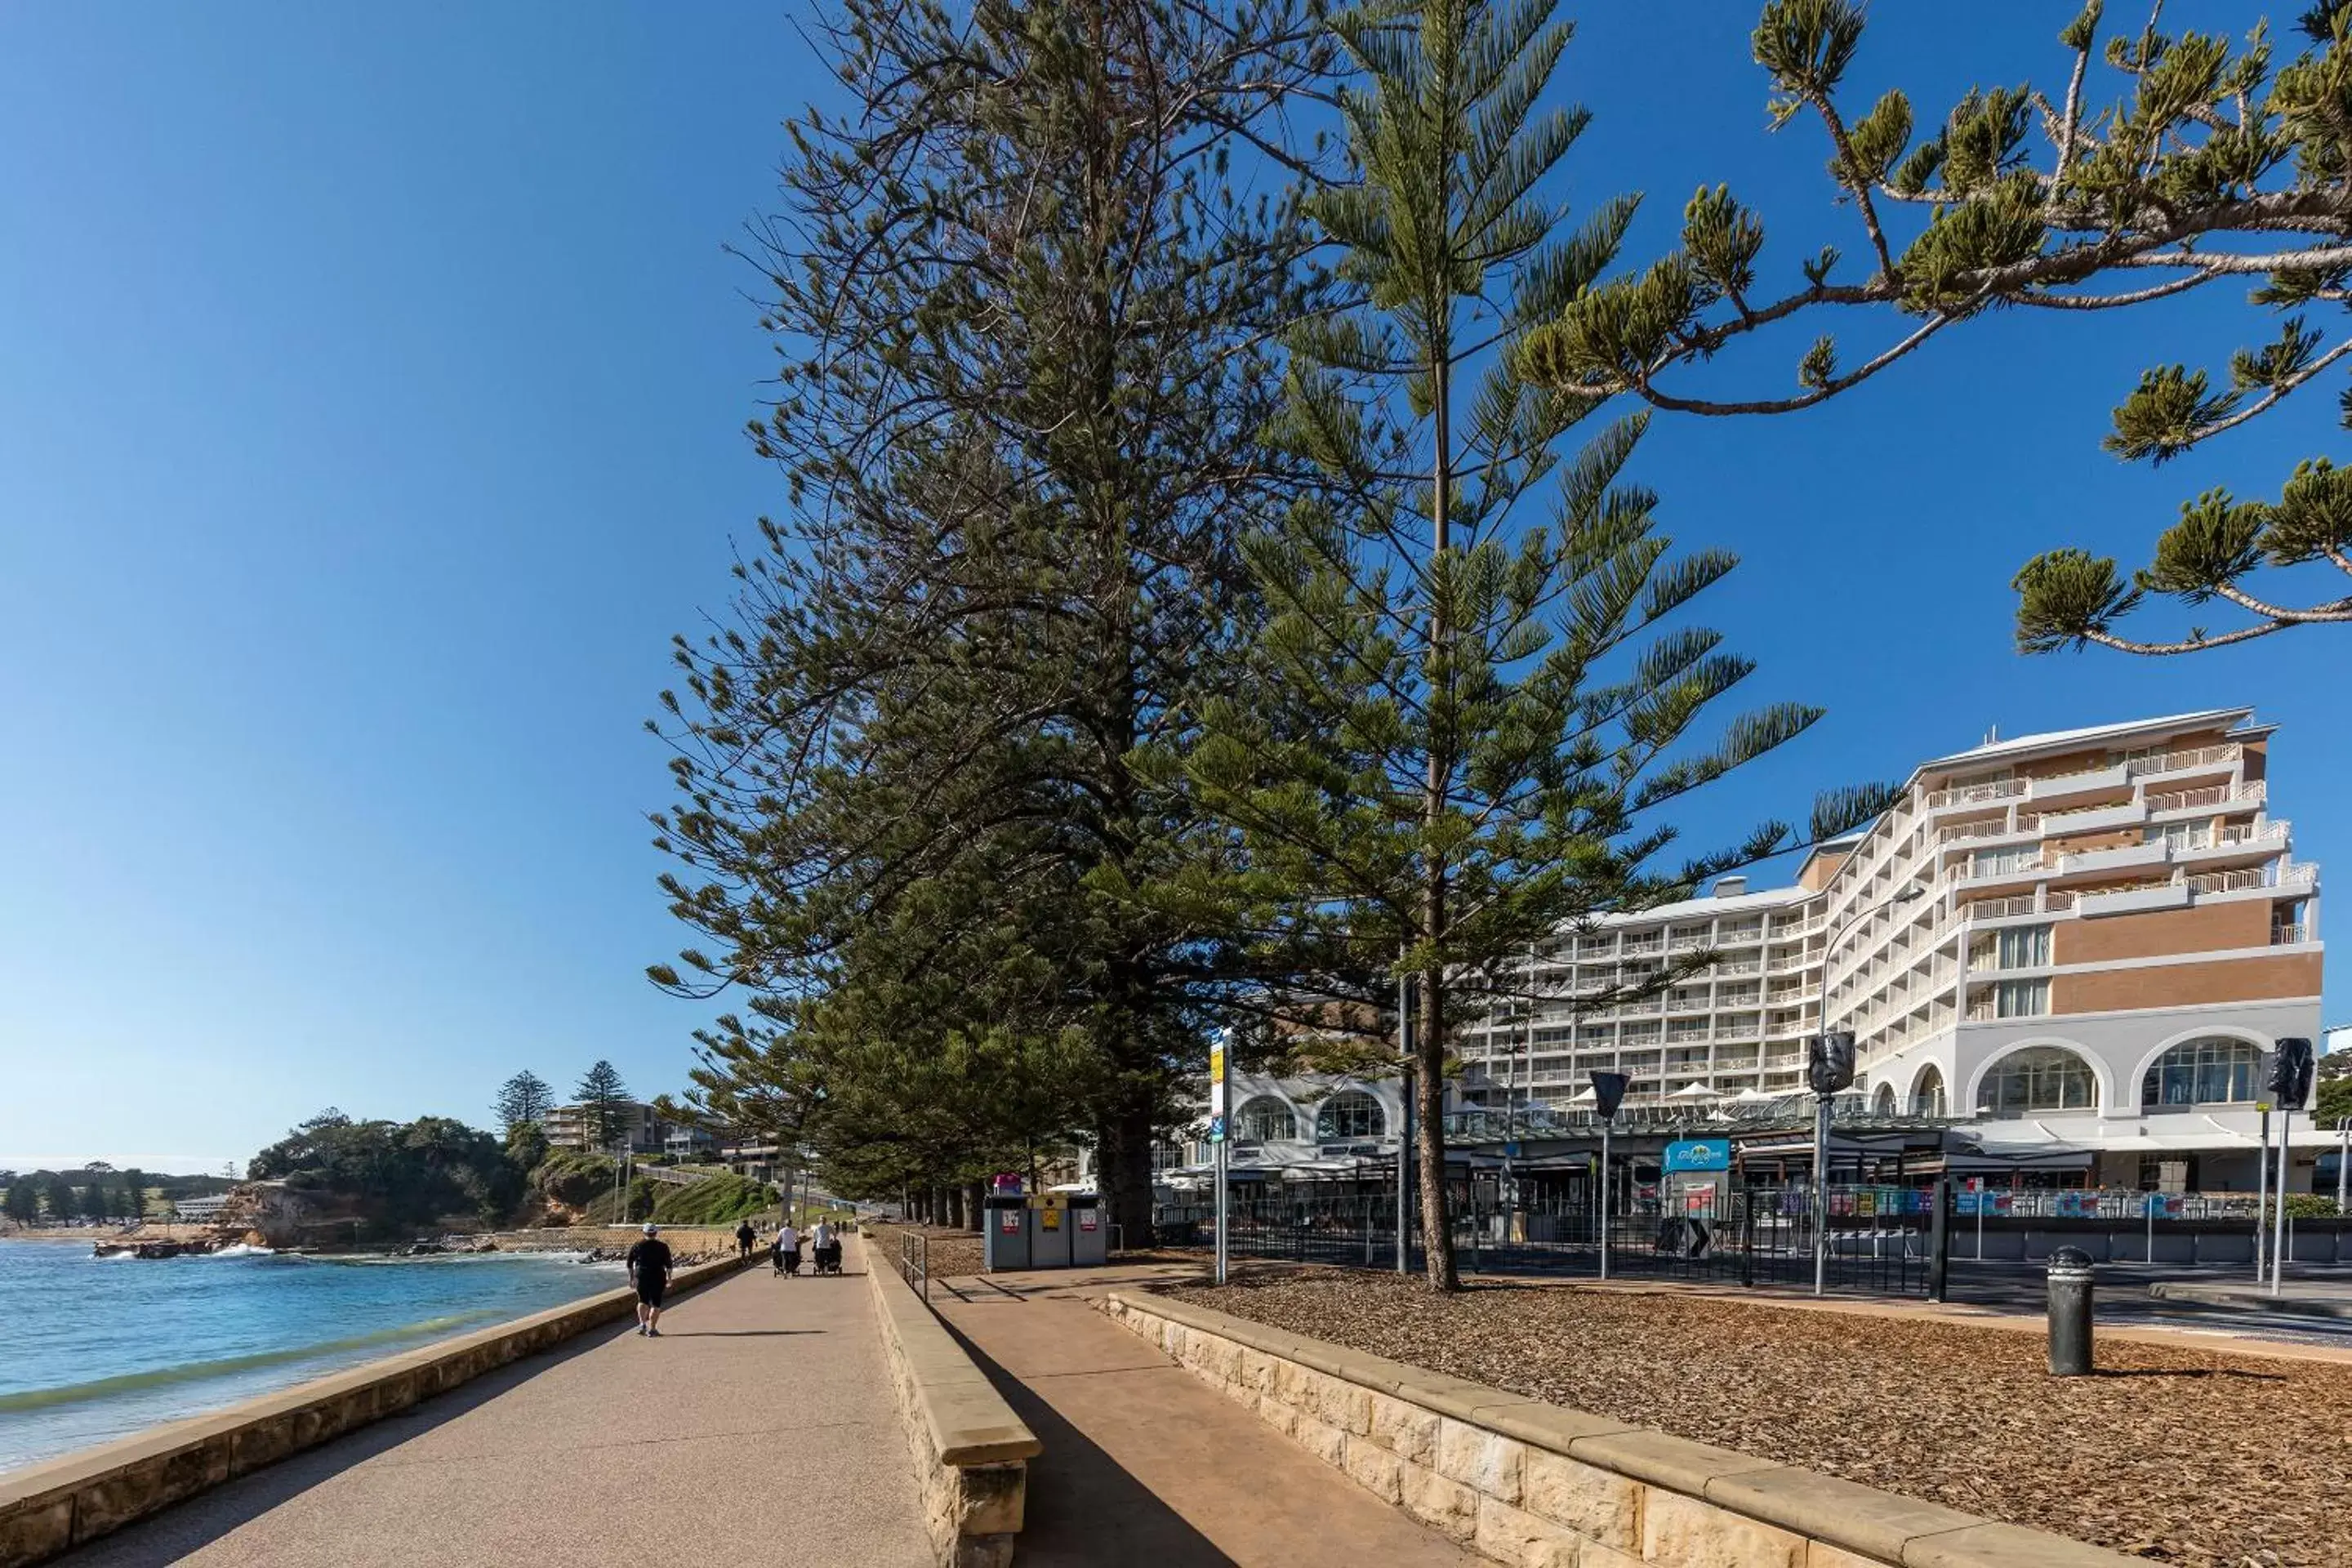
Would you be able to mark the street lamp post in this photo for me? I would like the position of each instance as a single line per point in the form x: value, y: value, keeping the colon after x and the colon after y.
x: 1608, y: 1093
x: 1830, y: 1069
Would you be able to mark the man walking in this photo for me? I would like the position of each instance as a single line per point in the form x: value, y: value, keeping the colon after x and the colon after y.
x: 744, y: 1237
x: 649, y: 1272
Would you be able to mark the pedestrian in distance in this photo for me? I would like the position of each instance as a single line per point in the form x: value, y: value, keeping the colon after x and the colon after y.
x: 649, y: 1266
x: 788, y: 1249
x: 828, y: 1247
x: 744, y: 1237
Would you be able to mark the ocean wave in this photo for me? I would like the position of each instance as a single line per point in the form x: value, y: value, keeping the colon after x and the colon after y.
x: 241, y: 1249
x: 225, y: 1366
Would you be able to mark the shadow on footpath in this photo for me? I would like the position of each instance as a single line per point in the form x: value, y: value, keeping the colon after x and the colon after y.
x: 1083, y: 1509
x: 187, y: 1526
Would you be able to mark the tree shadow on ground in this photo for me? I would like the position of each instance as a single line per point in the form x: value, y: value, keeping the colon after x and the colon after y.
x: 1083, y: 1509
x: 2230, y: 1372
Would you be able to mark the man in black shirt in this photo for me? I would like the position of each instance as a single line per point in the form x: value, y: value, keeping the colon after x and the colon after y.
x: 649, y: 1272
x: 744, y: 1237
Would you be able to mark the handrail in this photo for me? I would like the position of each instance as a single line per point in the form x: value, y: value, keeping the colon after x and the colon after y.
x: 915, y: 1261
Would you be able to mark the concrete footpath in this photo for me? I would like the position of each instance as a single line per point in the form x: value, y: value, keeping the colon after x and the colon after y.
x: 760, y: 1426
x: 1143, y: 1462
x: 2296, y: 1298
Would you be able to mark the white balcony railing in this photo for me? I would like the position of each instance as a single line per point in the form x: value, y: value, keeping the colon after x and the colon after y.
x: 2286, y: 935
x: 1977, y: 795
x: 2254, y: 794
x: 2195, y: 757
x: 2001, y: 908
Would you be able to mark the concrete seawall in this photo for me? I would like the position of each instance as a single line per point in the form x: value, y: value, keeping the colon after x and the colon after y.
x: 49, y: 1509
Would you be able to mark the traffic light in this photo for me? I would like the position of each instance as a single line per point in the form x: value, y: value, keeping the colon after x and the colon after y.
x: 1608, y: 1092
x: 2291, y: 1073
x: 1829, y: 1062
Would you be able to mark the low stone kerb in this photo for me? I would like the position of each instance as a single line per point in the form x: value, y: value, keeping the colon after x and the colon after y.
x: 1508, y: 1473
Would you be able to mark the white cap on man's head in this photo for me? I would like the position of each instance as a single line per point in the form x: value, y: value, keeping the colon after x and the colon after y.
x: 651, y: 1228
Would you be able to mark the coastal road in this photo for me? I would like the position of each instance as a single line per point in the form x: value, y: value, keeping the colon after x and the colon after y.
x: 761, y: 1423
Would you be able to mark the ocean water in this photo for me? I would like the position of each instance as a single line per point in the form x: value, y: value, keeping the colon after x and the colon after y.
x: 93, y: 1349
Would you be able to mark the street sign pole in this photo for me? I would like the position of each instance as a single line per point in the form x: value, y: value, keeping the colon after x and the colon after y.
x: 2262, y: 1193
x: 1220, y: 1066
x: 2278, y: 1225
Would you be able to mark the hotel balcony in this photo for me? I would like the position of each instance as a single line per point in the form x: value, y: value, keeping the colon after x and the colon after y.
x: 2105, y: 862
x: 1975, y: 797
x: 2092, y: 818
x: 2208, y: 799
x: 2083, y: 785
x: 2173, y: 766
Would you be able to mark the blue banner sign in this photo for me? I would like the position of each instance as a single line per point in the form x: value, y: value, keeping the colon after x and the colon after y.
x: 1698, y: 1155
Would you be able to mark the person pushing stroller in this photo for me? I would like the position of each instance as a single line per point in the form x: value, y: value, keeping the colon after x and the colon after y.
x: 786, y: 1252
x: 828, y: 1242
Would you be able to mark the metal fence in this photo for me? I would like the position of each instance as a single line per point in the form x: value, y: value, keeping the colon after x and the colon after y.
x: 1880, y: 1240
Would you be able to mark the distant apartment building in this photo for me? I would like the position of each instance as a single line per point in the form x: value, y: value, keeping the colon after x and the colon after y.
x: 567, y: 1127
x: 2085, y: 940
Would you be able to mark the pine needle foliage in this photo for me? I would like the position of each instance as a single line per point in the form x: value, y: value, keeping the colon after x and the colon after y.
x: 2212, y: 160
x: 1023, y: 296
x: 1475, y: 691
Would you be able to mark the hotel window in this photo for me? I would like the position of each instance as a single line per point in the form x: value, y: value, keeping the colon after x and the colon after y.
x: 2022, y: 947
x: 2210, y: 1071
x: 2021, y: 998
x: 2039, y: 1078
x: 1353, y: 1114
x: 2180, y: 834
x: 1265, y: 1119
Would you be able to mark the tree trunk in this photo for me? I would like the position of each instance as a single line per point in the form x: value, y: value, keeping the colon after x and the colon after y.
x: 1123, y: 1171
x: 975, y: 1206
x: 1428, y: 1088
x: 955, y: 1207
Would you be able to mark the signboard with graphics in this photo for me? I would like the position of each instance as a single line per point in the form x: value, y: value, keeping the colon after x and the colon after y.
x: 1698, y: 1155
x: 1217, y: 1091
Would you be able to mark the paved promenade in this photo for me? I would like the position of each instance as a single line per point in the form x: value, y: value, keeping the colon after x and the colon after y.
x: 760, y: 1426
x: 1144, y: 1463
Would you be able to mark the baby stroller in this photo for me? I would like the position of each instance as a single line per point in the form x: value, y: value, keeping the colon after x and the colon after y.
x: 828, y: 1258
x: 786, y: 1260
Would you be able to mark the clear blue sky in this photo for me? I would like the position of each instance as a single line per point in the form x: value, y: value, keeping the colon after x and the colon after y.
x: 370, y: 418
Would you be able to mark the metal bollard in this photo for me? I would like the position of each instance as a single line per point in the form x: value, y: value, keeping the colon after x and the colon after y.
x: 2070, y: 1312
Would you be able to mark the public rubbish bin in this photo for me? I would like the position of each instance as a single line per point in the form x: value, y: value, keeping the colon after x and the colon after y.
x: 1089, y: 1236
x: 1004, y: 1244
x: 1049, y: 1235
x: 2070, y: 1312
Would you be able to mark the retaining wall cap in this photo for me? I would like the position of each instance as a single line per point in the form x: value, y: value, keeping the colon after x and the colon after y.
x: 972, y: 1424
x: 1664, y: 1460
x: 1546, y: 1426
x: 2009, y: 1546
x: 1842, y: 1512
x: 968, y: 1421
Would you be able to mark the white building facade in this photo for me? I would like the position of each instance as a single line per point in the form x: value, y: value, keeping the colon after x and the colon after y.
x: 2084, y: 944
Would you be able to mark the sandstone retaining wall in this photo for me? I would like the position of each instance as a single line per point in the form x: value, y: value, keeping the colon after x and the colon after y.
x: 50, y: 1508
x: 1536, y: 1485
x: 971, y: 1452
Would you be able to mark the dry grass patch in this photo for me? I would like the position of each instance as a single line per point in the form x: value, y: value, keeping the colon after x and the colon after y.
x: 2192, y: 1456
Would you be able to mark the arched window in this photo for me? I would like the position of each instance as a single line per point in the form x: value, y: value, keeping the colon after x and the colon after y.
x: 1265, y: 1119
x: 1927, y: 1092
x: 2213, y: 1070
x: 1882, y: 1103
x: 1351, y: 1113
x: 2039, y: 1078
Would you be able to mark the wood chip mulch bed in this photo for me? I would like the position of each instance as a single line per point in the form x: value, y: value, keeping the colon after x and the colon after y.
x: 2180, y: 1455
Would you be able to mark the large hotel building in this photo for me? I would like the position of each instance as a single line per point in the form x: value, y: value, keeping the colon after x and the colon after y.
x: 2087, y: 941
